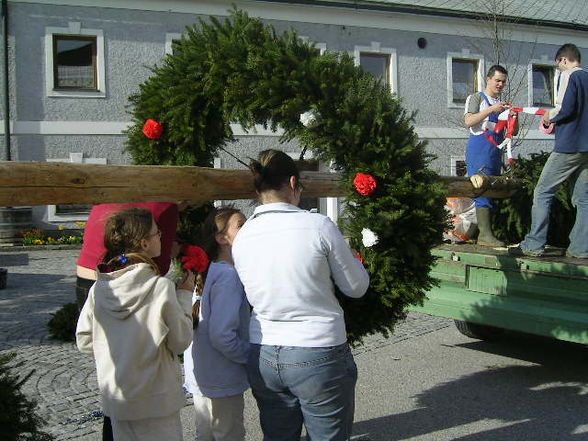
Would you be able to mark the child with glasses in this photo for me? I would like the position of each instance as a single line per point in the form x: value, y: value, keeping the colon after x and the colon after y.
x: 135, y: 324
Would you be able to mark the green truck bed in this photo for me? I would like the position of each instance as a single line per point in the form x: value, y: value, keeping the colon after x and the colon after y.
x: 545, y: 296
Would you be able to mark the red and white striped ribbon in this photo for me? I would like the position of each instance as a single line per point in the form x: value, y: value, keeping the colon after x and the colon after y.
x: 508, y: 120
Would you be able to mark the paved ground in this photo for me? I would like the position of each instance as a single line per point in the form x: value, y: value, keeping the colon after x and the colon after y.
x: 425, y: 383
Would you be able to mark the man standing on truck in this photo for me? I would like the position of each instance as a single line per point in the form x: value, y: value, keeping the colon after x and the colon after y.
x: 482, y: 155
x: 569, y: 159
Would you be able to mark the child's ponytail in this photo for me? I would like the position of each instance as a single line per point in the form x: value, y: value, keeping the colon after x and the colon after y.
x: 123, y: 234
x: 200, y: 278
x: 123, y: 260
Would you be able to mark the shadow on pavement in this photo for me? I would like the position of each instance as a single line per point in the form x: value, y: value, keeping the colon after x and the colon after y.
x: 26, y: 305
x: 544, y: 402
x: 26, y: 284
x: 533, y: 348
x: 14, y: 259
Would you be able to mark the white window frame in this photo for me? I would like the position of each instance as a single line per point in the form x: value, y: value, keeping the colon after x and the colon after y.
x: 376, y: 48
x: 322, y: 47
x: 75, y: 29
x: 544, y: 61
x: 217, y: 163
x: 169, y: 39
x: 75, y: 158
x: 463, y: 55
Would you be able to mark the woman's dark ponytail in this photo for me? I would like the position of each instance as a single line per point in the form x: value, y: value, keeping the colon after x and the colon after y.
x: 272, y: 171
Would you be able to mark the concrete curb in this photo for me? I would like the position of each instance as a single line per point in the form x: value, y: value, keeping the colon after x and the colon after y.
x: 19, y: 248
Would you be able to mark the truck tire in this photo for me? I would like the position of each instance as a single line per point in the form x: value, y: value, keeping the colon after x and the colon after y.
x: 476, y: 330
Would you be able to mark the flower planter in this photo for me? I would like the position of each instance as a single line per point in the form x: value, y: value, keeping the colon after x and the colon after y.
x: 12, y: 221
x: 3, y: 276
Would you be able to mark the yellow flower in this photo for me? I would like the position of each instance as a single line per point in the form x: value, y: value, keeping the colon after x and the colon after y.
x: 81, y: 224
x: 61, y: 228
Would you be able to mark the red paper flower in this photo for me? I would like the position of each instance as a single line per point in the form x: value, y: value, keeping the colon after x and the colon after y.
x: 365, y: 184
x: 195, y: 259
x: 153, y: 129
x: 360, y: 258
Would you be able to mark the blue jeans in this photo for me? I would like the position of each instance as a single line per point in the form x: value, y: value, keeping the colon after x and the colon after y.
x: 558, y: 168
x: 484, y: 158
x: 293, y: 385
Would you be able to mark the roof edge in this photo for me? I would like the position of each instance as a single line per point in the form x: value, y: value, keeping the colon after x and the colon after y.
x: 424, y: 10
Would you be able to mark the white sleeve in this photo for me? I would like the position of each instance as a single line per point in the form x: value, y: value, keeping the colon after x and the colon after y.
x: 85, y: 326
x: 176, y: 316
x: 347, y: 271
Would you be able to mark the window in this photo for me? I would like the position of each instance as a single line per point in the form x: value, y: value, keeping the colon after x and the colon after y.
x: 171, y: 39
x: 329, y: 206
x: 464, y: 76
x: 541, y: 87
x: 379, y: 61
x: 74, y: 62
x: 308, y: 203
x: 458, y: 166
x: 322, y: 47
x: 376, y: 64
x: 465, y: 79
x: 73, y: 212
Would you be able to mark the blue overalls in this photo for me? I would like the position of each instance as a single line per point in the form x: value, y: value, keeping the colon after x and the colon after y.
x: 483, y: 157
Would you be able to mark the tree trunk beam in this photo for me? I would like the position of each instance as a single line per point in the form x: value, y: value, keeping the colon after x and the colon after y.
x: 481, y: 185
x: 51, y: 183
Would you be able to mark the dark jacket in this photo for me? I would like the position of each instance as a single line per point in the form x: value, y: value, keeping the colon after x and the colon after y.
x: 571, y: 122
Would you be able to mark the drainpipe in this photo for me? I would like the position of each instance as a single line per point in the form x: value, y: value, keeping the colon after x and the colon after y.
x: 6, y: 86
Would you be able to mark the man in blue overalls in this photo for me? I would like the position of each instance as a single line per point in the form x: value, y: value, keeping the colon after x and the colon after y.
x: 482, y: 155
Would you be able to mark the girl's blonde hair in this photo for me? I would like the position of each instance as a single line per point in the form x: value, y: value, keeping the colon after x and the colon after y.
x: 122, y: 238
x: 215, y: 223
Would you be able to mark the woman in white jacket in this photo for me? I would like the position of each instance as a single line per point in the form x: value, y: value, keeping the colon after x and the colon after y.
x: 300, y: 367
x: 135, y: 324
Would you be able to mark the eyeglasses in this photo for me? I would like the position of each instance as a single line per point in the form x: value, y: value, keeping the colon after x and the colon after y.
x: 158, y: 233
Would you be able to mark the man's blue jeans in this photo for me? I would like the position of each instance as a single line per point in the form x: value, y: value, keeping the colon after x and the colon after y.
x: 558, y: 168
x: 293, y: 385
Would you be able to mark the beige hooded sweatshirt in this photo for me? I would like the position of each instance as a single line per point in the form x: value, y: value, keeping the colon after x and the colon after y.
x: 135, y: 324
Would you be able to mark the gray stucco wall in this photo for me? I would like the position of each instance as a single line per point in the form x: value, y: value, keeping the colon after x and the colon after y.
x: 135, y: 40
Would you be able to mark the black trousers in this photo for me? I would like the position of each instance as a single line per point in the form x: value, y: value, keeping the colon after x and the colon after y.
x: 82, y: 289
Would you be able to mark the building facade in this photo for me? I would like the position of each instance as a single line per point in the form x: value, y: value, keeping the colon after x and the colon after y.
x: 72, y: 64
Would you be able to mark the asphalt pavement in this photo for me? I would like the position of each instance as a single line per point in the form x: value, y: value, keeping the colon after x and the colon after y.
x: 426, y: 382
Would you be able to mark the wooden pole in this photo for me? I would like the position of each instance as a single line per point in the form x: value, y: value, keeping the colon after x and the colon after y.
x: 481, y: 185
x: 50, y: 183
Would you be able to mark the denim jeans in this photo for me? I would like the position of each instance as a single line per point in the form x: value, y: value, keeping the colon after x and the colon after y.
x: 558, y: 168
x: 296, y: 385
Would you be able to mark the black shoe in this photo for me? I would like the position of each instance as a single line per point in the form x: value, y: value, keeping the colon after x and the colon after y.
x: 568, y: 254
x: 518, y: 251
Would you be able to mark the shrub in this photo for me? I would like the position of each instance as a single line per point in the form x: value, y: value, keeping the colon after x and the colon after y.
x: 512, y: 217
x: 62, y: 325
x: 18, y: 420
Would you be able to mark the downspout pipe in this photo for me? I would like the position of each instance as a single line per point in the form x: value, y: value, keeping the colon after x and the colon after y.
x: 6, y: 85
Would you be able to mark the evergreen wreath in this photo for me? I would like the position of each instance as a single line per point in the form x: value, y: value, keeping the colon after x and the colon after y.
x: 242, y: 71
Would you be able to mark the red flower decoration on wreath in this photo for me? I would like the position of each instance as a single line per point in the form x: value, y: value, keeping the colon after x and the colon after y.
x: 365, y: 184
x: 195, y: 259
x: 153, y: 129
